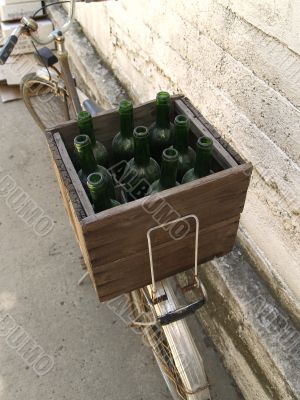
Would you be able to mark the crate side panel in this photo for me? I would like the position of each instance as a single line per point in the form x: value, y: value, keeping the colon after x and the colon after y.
x: 123, y: 229
x: 63, y: 177
x: 70, y: 199
x: 128, y: 274
x: 81, y: 194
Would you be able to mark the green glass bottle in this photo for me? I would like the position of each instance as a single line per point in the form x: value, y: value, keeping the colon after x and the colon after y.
x: 88, y: 163
x: 161, y: 132
x: 123, y: 143
x: 142, y: 170
x: 168, y: 175
x: 203, y: 160
x: 187, y: 155
x: 85, y: 124
x: 99, y: 192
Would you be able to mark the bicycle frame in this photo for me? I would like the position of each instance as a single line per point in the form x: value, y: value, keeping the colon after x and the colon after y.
x: 62, y: 55
x: 63, y: 59
x: 58, y: 36
x: 52, y: 36
x: 30, y: 27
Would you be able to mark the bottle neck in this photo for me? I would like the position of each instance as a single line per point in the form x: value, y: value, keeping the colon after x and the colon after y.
x: 181, y: 137
x: 126, y: 125
x: 87, y: 160
x: 99, y: 191
x: 100, y: 199
x: 163, y: 116
x: 203, y: 159
x: 169, y: 168
x: 141, y: 150
x: 85, y: 124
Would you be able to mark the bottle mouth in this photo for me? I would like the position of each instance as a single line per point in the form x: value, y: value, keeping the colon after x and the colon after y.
x: 84, y: 116
x: 140, y: 132
x: 181, y: 120
x: 170, y: 154
x: 95, y: 180
x: 205, y: 143
x: 163, y: 98
x: 126, y: 107
x: 82, y: 141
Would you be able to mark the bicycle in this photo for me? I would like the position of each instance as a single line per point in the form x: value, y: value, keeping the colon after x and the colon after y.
x: 49, y: 85
x: 51, y: 97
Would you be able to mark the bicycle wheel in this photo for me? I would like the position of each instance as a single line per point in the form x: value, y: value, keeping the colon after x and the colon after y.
x: 173, y: 346
x: 46, y: 100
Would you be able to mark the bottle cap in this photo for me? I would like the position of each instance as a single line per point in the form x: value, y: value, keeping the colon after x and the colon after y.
x: 140, y: 132
x: 163, y: 98
x: 84, y: 116
x: 205, y: 143
x: 95, y: 180
x: 181, y: 120
x: 125, y: 107
x: 170, y: 154
x: 82, y: 141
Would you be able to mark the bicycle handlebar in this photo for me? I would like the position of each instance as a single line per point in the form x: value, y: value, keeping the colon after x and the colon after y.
x: 9, y: 45
x: 63, y: 29
x: 7, y: 48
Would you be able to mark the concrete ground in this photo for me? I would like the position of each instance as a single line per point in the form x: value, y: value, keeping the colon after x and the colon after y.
x: 95, y: 355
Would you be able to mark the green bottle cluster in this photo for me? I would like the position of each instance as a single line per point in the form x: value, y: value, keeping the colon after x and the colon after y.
x: 147, y: 159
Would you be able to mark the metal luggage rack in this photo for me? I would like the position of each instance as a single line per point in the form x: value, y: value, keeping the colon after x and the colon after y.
x: 158, y: 295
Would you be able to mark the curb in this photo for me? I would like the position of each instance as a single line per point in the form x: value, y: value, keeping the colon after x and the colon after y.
x: 259, y: 343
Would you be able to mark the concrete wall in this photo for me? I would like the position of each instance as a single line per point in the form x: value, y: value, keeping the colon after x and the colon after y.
x: 239, y: 63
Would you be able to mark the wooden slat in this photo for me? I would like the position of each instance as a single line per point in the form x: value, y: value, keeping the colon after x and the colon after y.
x: 72, y: 204
x: 86, y: 204
x: 182, y: 194
x: 121, y: 231
x: 100, y: 266
x: 199, y: 129
x: 63, y: 177
x: 124, y: 275
x: 66, y: 199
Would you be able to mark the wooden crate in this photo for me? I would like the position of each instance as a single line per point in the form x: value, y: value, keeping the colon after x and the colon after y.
x: 114, y: 242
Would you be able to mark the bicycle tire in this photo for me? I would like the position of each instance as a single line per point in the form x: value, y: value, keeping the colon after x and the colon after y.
x: 183, y: 383
x: 48, y: 106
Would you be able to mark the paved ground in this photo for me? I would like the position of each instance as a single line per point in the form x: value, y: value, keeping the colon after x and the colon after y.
x: 95, y: 356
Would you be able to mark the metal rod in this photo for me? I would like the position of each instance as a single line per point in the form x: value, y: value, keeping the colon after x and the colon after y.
x: 193, y: 216
x: 83, y: 278
x: 63, y: 58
